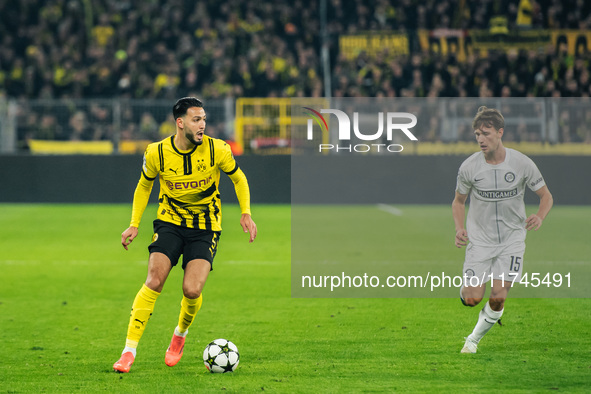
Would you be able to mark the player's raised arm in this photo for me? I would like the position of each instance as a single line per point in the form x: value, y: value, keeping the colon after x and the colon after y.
x: 458, y: 208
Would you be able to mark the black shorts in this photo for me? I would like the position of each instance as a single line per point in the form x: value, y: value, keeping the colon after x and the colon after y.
x: 173, y: 240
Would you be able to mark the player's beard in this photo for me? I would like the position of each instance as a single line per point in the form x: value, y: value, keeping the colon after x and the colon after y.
x: 192, y: 140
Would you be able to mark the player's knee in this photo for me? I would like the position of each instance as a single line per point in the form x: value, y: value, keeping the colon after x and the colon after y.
x: 496, y: 304
x: 191, y: 293
x: 155, y: 283
x: 471, y: 301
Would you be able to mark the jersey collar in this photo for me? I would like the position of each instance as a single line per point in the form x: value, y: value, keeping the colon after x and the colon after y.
x: 185, y: 153
x: 507, y: 153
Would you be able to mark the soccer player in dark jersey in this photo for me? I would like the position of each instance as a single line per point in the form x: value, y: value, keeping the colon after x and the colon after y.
x: 188, y: 223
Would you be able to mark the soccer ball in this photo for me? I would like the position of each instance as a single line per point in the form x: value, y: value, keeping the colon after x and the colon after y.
x: 221, y: 356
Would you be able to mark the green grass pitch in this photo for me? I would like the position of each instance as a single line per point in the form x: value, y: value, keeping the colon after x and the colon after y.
x: 66, y: 287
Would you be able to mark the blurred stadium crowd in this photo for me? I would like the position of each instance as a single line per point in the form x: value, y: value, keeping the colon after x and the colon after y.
x: 214, y: 49
x: 165, y: 49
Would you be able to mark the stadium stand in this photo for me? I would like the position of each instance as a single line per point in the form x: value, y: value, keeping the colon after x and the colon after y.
x: 164, y: 49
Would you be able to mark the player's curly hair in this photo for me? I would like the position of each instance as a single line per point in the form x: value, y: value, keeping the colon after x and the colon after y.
x: 488, y: 117
x: 182, y: 105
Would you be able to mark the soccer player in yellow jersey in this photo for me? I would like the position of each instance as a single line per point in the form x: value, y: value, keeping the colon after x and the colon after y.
x: 188, y: 223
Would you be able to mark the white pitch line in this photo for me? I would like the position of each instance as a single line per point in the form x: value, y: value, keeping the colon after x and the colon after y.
x: 390, y: 209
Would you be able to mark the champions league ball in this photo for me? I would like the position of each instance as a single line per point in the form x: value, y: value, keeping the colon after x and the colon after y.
x: 221, y: 356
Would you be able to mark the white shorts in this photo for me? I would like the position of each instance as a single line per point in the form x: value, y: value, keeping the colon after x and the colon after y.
x: 484, y: 263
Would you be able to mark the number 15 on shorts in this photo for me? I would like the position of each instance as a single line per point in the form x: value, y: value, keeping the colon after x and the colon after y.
x: 514, y: 269
x: 515, y: 264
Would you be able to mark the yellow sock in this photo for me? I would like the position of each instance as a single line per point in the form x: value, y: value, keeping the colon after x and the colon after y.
x: 141, y: 310
x: 189, y: 308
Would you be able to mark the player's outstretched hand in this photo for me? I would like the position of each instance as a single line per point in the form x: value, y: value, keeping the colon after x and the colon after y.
x: 128, y: 236
x: 461, y: 238
x: 249, y: 226
x: 533, y: 222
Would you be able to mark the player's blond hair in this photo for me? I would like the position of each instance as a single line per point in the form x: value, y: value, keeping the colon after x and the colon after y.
x: 488, y: 117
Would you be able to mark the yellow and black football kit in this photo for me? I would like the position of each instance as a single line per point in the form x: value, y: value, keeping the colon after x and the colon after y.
x: 189, y: 217
x: 189, y: 183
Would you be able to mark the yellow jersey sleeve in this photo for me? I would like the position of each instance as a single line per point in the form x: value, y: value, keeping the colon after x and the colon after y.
x: 242, y: 190
x: 227, y: 162
x: 140, y: 200
x: 144, y: 186
x: 151, y: 165
x: 230, y: 167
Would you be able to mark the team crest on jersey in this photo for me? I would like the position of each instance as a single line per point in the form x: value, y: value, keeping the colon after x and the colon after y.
x: 154, y: 237
x: 509, y: 177
x: 201, y: 167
